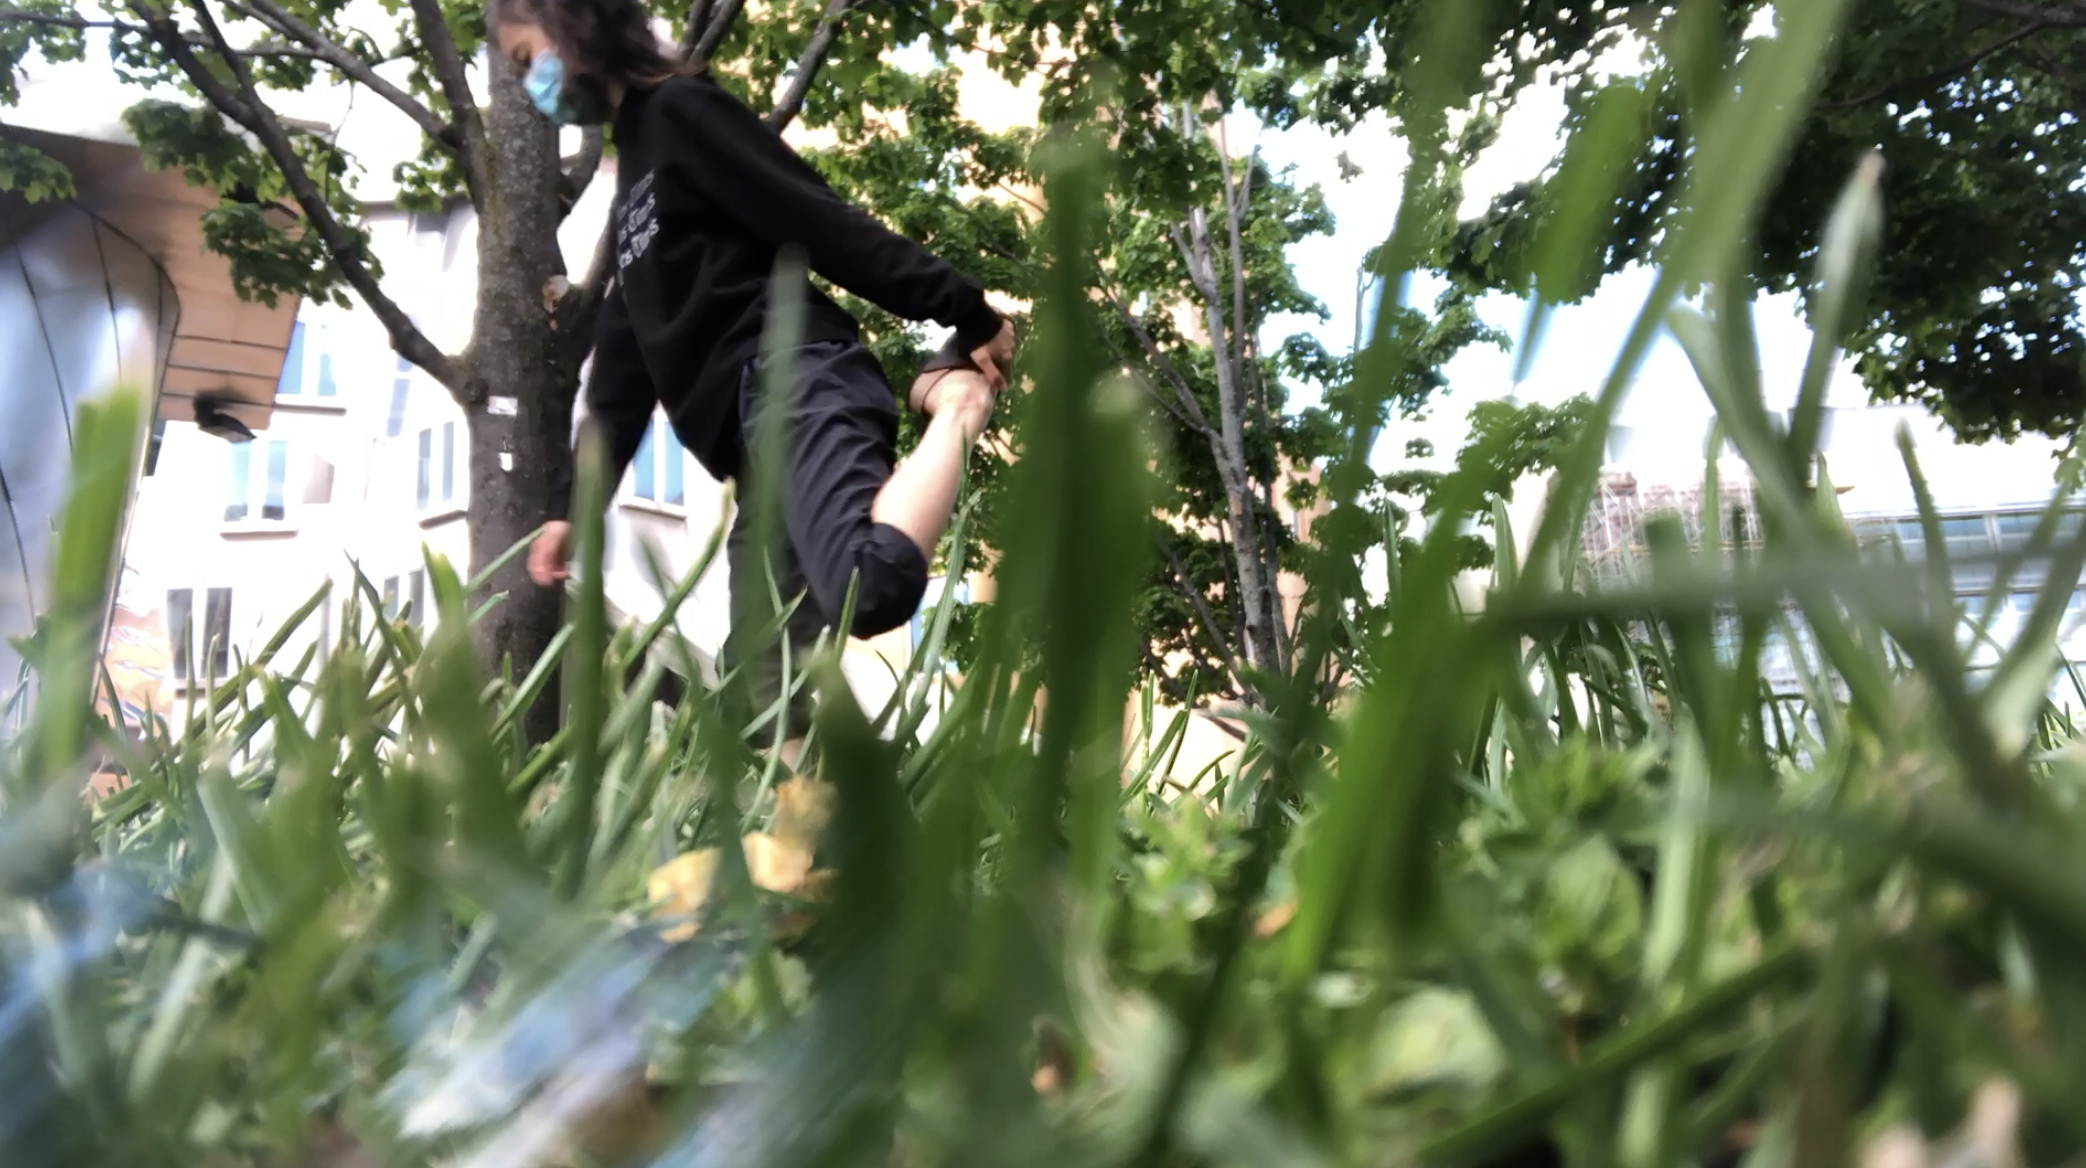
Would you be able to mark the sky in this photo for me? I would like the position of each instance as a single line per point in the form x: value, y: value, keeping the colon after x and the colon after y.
x: 1581, y: 341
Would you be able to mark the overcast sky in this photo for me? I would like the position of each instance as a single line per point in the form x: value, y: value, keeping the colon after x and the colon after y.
x: 1581, y: 341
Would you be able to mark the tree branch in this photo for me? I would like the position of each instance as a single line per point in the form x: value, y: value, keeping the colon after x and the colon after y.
x: 2062, y: 15
x: 251, y: 52
x: 456, y: 89
x: 1164, y: 365
x: 1236, y: 204
x: 275, y: 16
x: 1943, y: 73
x: 575, y: 317
x: 692, y: 31
x: 585, y: 166
x: 2064, y: 74
x: 1228, y: 653
x: 246, y: 108
x: 808, y: 65
x: 721, y: 20
x: 1145, y: 384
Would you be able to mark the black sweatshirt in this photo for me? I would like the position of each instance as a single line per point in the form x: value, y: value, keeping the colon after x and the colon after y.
x: 706, y: 197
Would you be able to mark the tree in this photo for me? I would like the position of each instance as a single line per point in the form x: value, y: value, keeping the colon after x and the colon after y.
x: 1191, y: 264
x: 1974, y: 108
x: 532, y: 322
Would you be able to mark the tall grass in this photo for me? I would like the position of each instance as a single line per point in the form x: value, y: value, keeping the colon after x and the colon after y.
x: 1562, y: 882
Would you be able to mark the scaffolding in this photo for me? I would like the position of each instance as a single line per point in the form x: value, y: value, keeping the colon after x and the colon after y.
x: 1612, y: 542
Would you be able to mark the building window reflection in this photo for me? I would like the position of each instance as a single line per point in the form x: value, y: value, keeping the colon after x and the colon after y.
x: 291, y: 384
x: 264, y: 496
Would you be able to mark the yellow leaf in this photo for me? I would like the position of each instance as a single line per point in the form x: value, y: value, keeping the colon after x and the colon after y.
x: 803, y: 807
x: 680, y: 887
x: 817, y: 885
x: 776, y: 864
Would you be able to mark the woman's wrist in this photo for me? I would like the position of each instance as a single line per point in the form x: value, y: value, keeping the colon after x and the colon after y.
x: 977, y: 328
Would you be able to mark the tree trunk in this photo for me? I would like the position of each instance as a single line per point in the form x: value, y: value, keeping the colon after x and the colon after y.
x: 519, y: 392
x: 1256, y: 588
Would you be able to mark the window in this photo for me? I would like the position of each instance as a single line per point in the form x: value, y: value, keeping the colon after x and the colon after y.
x: 272, y: 498
x: 240, y: 457
x: 401, y: 389
x: 2016, y: 530
x: 435, y: 485
x: 406, y: 595
x: 208, y: 642
x: 656, y: 473
x: 1965, y: 537
x: 291, y: 383
x: 265, y: 496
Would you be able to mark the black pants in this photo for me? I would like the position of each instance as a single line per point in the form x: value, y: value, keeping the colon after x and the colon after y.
x: 840, y: 447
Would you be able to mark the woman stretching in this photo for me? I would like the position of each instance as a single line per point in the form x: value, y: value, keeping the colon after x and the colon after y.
x: 706, y: 197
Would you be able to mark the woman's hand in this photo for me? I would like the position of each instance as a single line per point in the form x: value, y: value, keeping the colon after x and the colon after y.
x: 994, y: 356
x: 551, y: 553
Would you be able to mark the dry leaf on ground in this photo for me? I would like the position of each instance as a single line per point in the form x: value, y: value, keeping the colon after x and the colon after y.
x: 680, y: 887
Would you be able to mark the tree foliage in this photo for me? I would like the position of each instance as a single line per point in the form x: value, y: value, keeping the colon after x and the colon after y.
x: 1972, y: 104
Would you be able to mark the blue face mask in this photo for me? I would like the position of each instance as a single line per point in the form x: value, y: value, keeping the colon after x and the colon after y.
x: 546, y: 86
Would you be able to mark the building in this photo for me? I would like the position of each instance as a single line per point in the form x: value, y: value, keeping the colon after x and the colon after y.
x: 1989, y: 499
x: 356, y: 473
x: 111, y: 287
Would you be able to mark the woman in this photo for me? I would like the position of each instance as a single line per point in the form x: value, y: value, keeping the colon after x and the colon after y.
x: 707, y: 197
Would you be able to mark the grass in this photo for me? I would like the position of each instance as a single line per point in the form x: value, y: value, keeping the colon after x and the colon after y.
x: 1564, y: 881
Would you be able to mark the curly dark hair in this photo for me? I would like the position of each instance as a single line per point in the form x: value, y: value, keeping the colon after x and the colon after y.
x: 599, y: 40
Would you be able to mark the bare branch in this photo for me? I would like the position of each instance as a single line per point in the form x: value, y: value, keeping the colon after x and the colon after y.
x: 1952, y: 69
x: 1205, y: 285
x: 1164, y: 365
x: 1228, y: 653
x: 251, y: 52
x: 585, y: 166
x: 720, y: 23
x: 692, y: 31
x: 246, y: 108
x: 1237, y: 201
x: 275, y: 16
x: 808, y: 65
x: 1235, y: 205
x: 1150, y: 391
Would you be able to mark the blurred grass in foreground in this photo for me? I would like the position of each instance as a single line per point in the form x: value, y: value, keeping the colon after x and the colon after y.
x: 1560, y: 883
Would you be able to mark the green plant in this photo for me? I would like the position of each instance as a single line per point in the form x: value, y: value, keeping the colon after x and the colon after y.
x: 1563, y: 876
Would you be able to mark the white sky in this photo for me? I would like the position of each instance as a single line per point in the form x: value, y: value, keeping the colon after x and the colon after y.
x: 1581, y: 341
